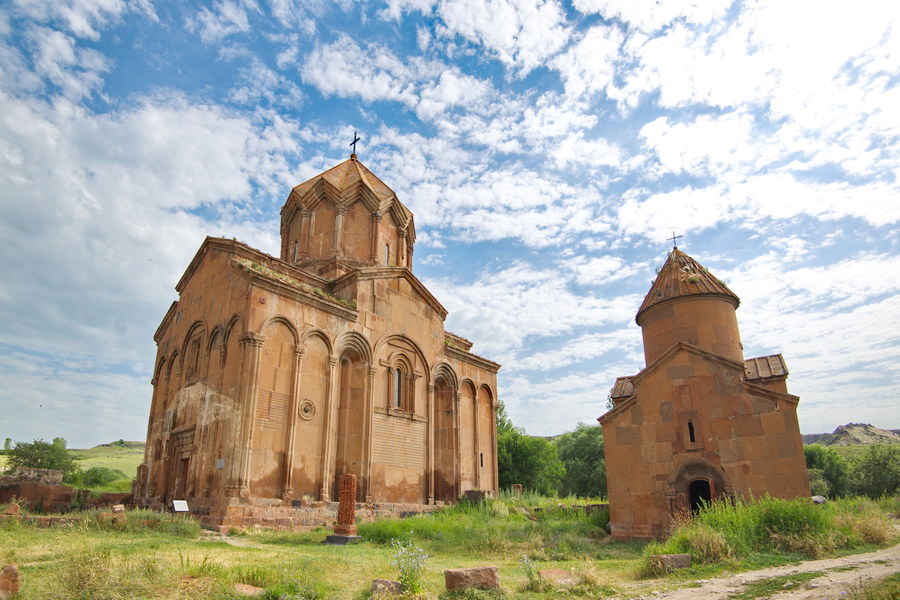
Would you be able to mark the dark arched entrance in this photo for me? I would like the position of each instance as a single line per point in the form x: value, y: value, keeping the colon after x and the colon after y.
x: 699, y: 493
x: 696, y: 482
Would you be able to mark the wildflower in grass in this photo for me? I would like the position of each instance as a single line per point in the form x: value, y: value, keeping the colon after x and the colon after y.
x: 410, y: 561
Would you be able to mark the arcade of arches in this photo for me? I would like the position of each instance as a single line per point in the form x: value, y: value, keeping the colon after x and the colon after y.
x: 275, y: 376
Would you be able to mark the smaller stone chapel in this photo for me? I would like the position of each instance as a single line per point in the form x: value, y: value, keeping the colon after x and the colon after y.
x: 275, y: 376
x: 699, y: 422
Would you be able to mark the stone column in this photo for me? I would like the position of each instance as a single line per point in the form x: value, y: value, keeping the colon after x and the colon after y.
x: 496, y: 476
x: 367, y: 432
x: 458, y: 443
x: 429, y: 450
x: 375, y: 228
x: 476, y: 442
x: 252, y: 343
x: 288, y: 484
x: 409, y: 256
x: 305, y: 218
x: 401, y: 247
x: 338, y: 248
x: 328, y: 435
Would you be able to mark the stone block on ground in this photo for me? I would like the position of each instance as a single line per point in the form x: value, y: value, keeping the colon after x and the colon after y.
x: 559, y: 577
x: 118, y: 508
x: 9, y: 582
x: 12, y: 509
x: 385, y: 587
x: 819, y: 499
x: 483, y: 578
x: 114, y: 519
x: 244, y: 589
x: 669, y: 562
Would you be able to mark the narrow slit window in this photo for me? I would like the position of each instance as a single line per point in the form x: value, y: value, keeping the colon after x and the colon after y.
x: 691, y: 432
x: 387, y: 254
x: 482, y: 460
x: 398, y: 377
x: 294, y: 251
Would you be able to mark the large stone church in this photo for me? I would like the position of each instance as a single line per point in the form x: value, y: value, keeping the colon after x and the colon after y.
x: 700, y: 421
x: 274, y: 376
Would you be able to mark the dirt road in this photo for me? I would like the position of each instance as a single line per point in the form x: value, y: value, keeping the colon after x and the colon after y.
x: 840, y: 575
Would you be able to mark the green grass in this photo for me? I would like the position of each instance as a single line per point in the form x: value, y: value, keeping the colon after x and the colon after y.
x: 771, y: 531
x: 773, y: 585
x: 884, y: 589
x: 123, y: 458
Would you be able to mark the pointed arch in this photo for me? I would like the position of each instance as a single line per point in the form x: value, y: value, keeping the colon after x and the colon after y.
x: 283, y: 321
x: 352, y: 340
x: 314, y: 332
x: 444, y: 370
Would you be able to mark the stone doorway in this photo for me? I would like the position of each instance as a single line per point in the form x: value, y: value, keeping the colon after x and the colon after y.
x: 699, y: 494
x: 694, y: 483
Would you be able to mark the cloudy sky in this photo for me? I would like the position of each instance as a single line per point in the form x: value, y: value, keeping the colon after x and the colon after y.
x: 547, y: 149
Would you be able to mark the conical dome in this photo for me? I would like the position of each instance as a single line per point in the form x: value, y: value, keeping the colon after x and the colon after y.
x: 680, y: 276
x: 688, y: 305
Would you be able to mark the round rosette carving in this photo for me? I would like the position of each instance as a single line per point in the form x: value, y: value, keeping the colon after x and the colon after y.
x: 307, y: 409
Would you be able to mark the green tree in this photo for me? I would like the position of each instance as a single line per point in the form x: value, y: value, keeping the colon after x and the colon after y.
x: 531, y: 461
x: 877, y: 472
x: 7, y: 445
x: 835, y: 469
x: 581, y: 452
x: 39, y: 454
x: 100, y: 476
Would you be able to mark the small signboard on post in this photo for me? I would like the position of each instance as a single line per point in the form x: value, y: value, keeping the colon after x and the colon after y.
x: 180, y: 506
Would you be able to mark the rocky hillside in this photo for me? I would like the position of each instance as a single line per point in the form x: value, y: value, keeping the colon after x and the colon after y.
x: 853, y: 434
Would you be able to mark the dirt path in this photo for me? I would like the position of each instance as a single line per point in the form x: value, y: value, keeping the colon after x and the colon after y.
x: 840, y: 575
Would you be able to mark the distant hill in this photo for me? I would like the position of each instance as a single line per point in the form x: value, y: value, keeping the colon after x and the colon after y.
x: 854, y: 434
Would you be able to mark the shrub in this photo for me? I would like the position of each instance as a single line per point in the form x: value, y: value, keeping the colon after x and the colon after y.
x: 877, y: 472
x: 39, y: 454
x: 100, y: 476
x: 410, y: 561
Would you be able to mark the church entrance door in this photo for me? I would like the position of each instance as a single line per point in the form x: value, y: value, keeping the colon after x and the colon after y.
x: 699, y: 493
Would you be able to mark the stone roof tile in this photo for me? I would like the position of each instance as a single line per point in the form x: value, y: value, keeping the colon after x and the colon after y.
x: 681, y: 276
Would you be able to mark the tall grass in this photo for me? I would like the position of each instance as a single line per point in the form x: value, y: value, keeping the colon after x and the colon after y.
x: 724, y: 532
x: 497, y: 527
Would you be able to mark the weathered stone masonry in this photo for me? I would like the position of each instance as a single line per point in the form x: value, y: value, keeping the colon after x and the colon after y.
x: 699, y: 422
x: 276, y: 376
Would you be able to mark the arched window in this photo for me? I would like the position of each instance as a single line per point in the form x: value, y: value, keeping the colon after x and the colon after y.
x: 398, y: 386
x: 387, y: 254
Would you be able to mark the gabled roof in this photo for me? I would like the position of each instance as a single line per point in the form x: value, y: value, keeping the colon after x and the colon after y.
x: 622, y: 388
x: 763, y: 367
x: 346, y: 175
x: 682, y: 276
x: 343, y: 185
x: 624, y: 394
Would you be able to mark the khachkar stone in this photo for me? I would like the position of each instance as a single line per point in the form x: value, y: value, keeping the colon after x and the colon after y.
x: 345, y: 529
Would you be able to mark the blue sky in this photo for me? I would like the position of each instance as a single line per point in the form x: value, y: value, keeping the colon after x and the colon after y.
x: 546, y: 148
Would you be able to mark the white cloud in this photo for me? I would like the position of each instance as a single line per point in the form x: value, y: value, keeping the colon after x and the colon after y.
x: 650, y: 15
x: 521, y: 33
x: 75, y: 71
x: 589, y: 64
x: 225, y: 18
x: 503, y: 308
x: 761, y: 198
x: 259, y: 84
x: 82, y: 18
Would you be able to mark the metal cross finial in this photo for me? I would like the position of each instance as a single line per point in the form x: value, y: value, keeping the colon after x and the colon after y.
x: 353, y: 143
x: 674, y: 239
